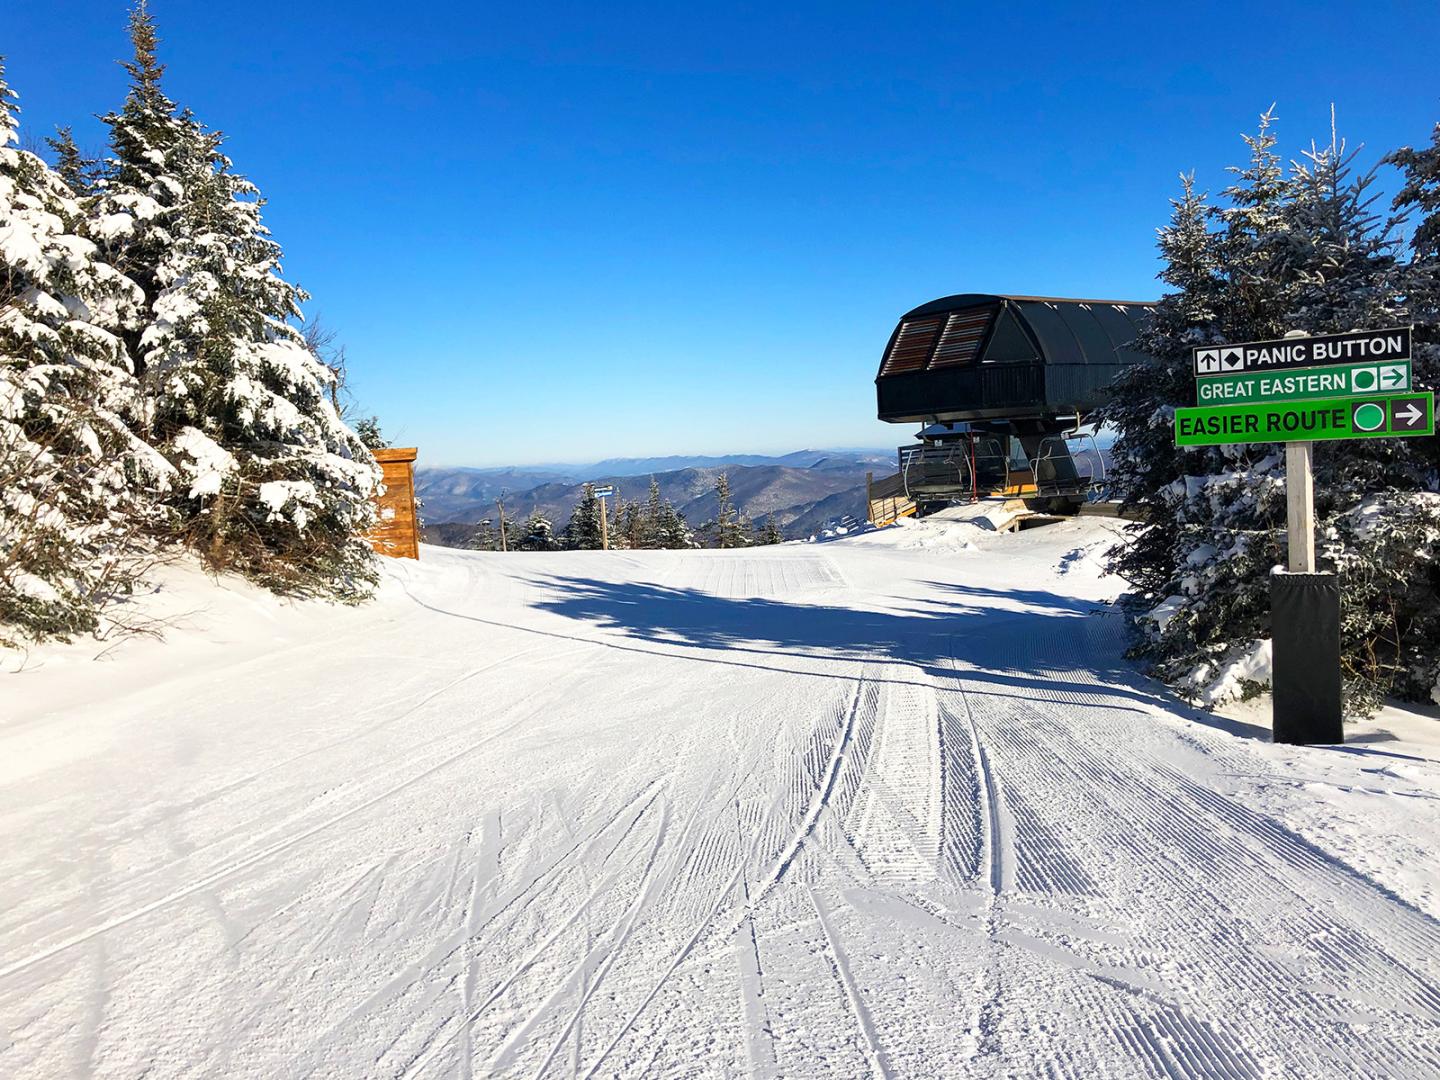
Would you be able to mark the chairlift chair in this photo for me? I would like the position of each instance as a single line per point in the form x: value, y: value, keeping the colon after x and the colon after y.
x: 1069, y: 463
x: 935, y: 468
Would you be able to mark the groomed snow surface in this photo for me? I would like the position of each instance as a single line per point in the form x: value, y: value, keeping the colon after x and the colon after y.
x: 892, y: 805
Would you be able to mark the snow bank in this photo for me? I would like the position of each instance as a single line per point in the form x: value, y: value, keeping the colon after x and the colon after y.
x: 1226, y: 680
x: 915, y: 534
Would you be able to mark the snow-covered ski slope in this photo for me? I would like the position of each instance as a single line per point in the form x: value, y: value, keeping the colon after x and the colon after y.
x: 892, y: 805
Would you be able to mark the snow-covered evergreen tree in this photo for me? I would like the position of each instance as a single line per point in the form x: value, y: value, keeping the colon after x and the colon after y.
x: 1288, y: 250
x: 731, y: 529
x: 651, y: 514
x: 484, y: 538
x: 537, y: 534
x: 771, y: 533
x: 1408, y: 534
x: 367, y: 430
x: 670, y: 529
x: 77, y: 489
x: 630, y: 524
x: 583, y: 532
x: 274, y: 483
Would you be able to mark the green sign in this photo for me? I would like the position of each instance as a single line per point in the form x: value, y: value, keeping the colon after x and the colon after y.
x: 1303, y: 384
x: 1384, y: 416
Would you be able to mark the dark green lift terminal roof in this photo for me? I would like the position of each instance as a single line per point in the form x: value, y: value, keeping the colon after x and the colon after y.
x: 980, y: 356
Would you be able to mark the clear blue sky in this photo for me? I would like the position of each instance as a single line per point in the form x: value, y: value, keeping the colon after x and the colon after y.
x: 567, y: 232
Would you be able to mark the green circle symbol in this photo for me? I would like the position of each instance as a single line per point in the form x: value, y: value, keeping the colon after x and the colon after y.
x: 1368, y: 417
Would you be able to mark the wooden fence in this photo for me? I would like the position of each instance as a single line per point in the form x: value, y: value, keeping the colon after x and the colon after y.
x: 886, y: 501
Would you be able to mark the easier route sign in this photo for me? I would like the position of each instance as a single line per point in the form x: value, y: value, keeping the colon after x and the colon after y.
x: 1359, y: 346
x: 1307, y: 421
x: 1303, y: 384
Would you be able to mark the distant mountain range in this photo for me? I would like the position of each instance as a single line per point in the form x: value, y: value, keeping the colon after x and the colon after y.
x: 800, y: 491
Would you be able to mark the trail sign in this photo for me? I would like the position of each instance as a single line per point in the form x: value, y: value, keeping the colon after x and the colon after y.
x: 1307, y: 421
x: 1303, y: 384
x: 1299, y: 391
x: 1368, y: 346
x: 603, y: 492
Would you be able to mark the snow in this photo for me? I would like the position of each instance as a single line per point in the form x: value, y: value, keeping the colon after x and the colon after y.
x: 299, y: 495
x: 1163, y: 612
x: 841, y: 809
x: 209, y: 462
x: 1240, y: 665
x: 912, y: 534
x: 111, y: 226
x: 20, y: 245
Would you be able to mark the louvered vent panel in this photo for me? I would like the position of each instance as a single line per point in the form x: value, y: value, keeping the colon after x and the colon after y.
x: 912, y: 346
x: 960, y: 340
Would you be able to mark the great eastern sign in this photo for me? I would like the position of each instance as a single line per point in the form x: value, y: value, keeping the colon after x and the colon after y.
x: 1361, y: 346
x: 1303, y: 384
x: 1307, y: 421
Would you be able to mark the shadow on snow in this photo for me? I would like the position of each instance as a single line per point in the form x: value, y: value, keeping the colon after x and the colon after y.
x: 1029, y: 644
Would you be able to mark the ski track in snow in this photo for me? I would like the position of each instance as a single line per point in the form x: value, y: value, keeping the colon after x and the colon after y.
x: 835, y: 811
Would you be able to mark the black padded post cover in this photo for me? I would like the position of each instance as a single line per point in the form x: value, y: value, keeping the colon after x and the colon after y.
x: 1305, y: 632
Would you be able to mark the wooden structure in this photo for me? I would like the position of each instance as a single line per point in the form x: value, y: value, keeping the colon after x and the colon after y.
x: 397, y: 532
x: 886, y: 501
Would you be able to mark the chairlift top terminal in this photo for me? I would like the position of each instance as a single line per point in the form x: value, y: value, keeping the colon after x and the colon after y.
x: 1001, y: 385
x: 984, y: 356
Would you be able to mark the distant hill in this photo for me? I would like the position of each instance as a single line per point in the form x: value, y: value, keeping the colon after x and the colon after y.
x: 809, y: 521
x: 799, y: 459
x: 787, y: 487
x: 469, y: 494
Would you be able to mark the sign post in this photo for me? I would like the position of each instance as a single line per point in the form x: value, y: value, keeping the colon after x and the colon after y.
x: 1300, y: 391
x: 1300, y: 507
x: 603, y: 493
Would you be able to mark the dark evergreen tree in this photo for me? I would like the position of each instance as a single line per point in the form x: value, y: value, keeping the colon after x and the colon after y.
x: 652, y: 516
x: 1420, y: 194
x: 583, y: 532
x: 1406, y: 538
x: 671, y: 529
x: 367, y: 430
x: 74, y: 168
x: 771, y: 533
x: 731, y: 530
x: 630, y: 525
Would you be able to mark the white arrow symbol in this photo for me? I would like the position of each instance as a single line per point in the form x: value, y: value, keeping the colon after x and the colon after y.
x: 1410, y: 415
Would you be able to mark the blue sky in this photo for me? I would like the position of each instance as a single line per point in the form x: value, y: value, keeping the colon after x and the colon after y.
x: 569, y: 232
